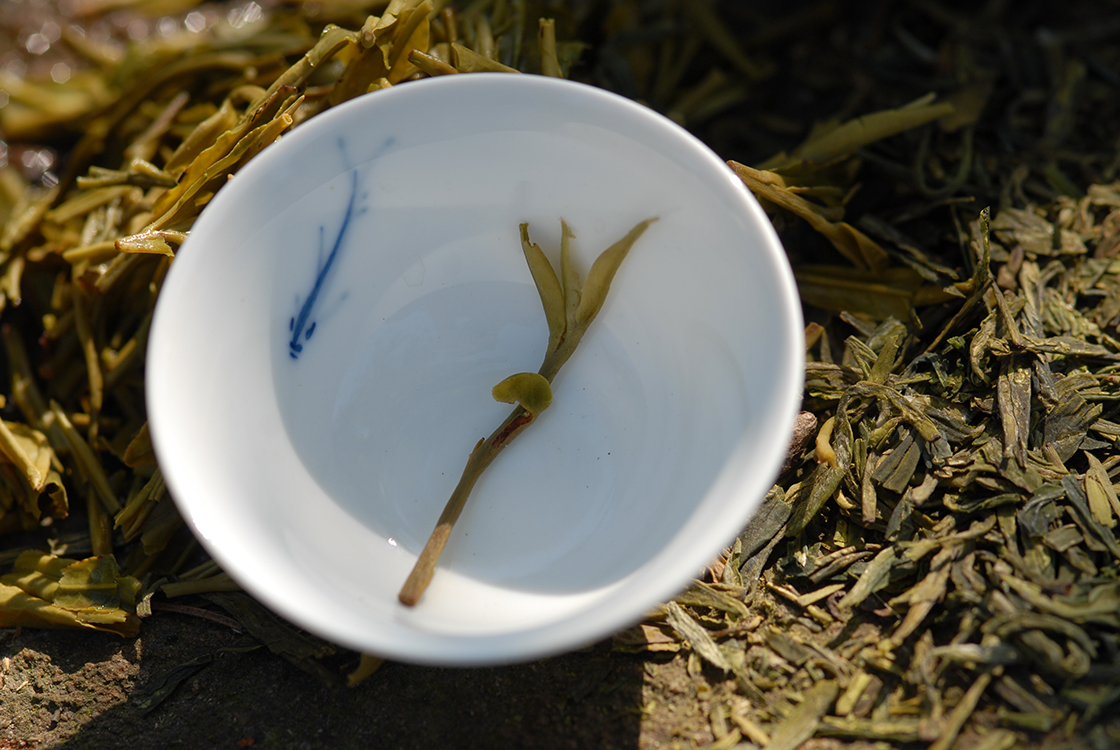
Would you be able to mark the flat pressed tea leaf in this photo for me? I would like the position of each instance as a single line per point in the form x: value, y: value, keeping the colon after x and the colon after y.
x: 765, y: 524
x: 468, y: 61
x: 300, y: 649
x: 1103, y: 501
x: 802, y: 722
x: 825, y: 480
x: 162, y: 687
x: 703, y: 595
x: 830, y: 142
x: 695, y: 635
x: 853, y: 244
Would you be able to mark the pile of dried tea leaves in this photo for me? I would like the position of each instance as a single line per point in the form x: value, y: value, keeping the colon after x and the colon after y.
x: 943, y: 567
x: 939, y: 564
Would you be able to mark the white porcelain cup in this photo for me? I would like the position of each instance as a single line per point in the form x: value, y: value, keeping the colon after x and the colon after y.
x: 324, y: 346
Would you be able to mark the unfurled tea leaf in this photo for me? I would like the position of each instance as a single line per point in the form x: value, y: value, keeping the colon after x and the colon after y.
x: 569, y: 311
x: 529, y: 389
x: 599, y: 278
x: 549, y: 288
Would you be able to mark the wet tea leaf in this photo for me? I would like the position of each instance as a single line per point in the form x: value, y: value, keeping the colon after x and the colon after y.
x: 569, y: 311
x: 529, y: 389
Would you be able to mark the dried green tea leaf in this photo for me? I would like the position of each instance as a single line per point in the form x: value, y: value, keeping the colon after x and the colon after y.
x: 921, y: 599
x: 834, y: 140
x: 139, y: 451
x: 1103, y: 502
x: 695, y: 635
x: 1067, y: 424
x: 961, y: 712
x: 874, y: 577
x: 162, y: 687
x: 153, y: 242
x: 788, y: 648
x: 703, y: 595
x: 467, y: 60
x: 1026, y: 228
x: 900, y: 729
x: 1102, y: 600
x: 825, y: 480
x: 853, y: 244
x: 546, y: 40
x: 95, y: 583
x: 802, y: 722
x: 897, y: 467
x: 367, y: 665
x: 49, y: 592
x: 766, y: 523
x: 330, y: 43
x: 645, y: 637
x: 28, y: 450
x: 87, y: 462
x: 386, y: 43
x: 202, y: 137
x: 299, y: 648
x: 430, y: 64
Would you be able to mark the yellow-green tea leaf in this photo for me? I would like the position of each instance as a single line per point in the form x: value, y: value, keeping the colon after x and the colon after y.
x: 602, y: 273
x: 548, y: 286
x: 529, y: 389
x: 568, y: 276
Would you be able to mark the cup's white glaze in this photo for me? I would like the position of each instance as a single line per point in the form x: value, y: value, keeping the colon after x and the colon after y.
x: 324, y: 346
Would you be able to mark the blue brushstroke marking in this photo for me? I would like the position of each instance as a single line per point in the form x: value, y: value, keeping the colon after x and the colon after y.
x: 302, y: 321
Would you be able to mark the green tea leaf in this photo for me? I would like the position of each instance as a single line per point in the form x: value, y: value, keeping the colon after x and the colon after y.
x: 602, y: 273
x: 548, y: 286
x: 529, y: 389
x: 568, y: 276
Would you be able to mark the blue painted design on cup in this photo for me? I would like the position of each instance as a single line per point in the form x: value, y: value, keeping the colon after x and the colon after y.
x: 302, y: 324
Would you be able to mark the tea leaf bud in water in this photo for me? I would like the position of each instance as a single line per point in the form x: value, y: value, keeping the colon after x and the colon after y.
x: 529, y: 389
